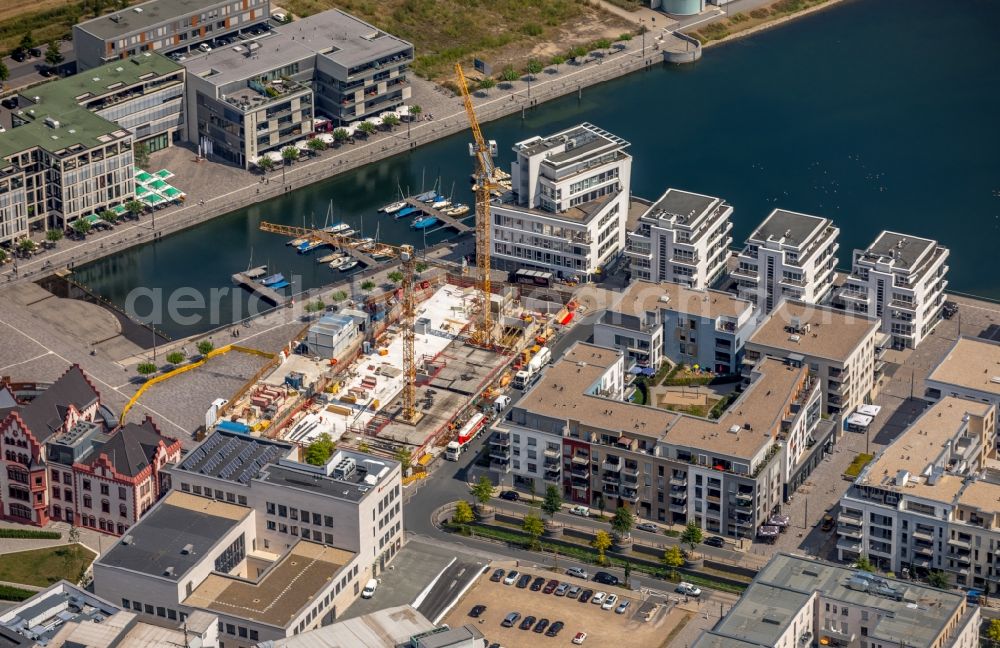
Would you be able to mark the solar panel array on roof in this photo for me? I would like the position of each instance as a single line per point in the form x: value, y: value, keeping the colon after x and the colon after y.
x: 232, y: 457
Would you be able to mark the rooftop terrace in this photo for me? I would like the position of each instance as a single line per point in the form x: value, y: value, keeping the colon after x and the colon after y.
x: 683, y: 207
x: 73, y: 90
x: 902, y: 250
x: 579, y: 141
x: 815, y: 331
x: 791, y: 228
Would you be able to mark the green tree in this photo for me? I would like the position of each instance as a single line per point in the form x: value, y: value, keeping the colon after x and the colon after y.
x: 367, y: 285
x: 628, y: 574
x: 341, y: 135
x: 463, y: 513
x: 315, y: 306
x: 391, y: 121
x: 3, y: 256
x: 993, y: 631
x: 320, y: 450
x: 404, y: 456
x: 864, y: 564
x: 73, y: 535
x: 338, y: 296
x: 420, y: 266
x: 108, y: 216
x: 289, y: 154
x: 534, y: 527
x: 936, y: 579
x: 4, y: 73
x: 146, y: 368
x: 81, y: 226
x: 205, y: 347
x: 27, y: 42
x: 601, y: 542
x: 483, y: 491
x: 415, y: 111
x: 175, y: 357
x: 692, y: 535
x: 265, y: 163
x: 54, y: 235
x: 534, y: 67
x: 135, y: 207
x: 557, y: 60
x: 364, y: 447
x: 26, y: 246
x: 552, y: 501
x: 509, y: 74
x: 600, y: 503
x: 601, y: 44
x: 140, y: 152
x: 52, y: 55
x: 577, y: 52
x: 673, y: 558
x: 367, y: 128
x: 395, y: 276
x: 487, y: 83
x: 625, y: 37
x: 623, y: 521
x: 316, y: 145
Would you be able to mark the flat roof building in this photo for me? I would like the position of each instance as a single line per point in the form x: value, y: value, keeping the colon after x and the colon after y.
x: 570, y: 204
x: 970, y: 370
x: 796, y: 601
x: 684, y: 237
x: 900, y: 279
x: 166, y: 26
x: 843, y: 349
x: 789, y: 256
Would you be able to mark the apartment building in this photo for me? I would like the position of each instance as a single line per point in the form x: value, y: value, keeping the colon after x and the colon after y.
x: 684, y: 238
x: 653, y: 322
x: 844, y: 350
x: 788, y: 256
x: 571, y: 202
x: 573, y: 430
x: 246, y: 519
x: 928, y: 501
x: 64, y: 460
x: 901, y: 280
x: 143, y: 94
x: 970, y: 370
x: 796, y: 601
x: 260, y: 96
x: 61, y: 164
x: 165, y: 26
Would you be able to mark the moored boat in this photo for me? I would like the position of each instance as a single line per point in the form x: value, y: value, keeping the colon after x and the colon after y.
x: 273, y: 279
x: 350, y: 265
x: 392, y: 208
x: 441, y: 204
x: 327, y: 258
x: 406, y: 211
x: 310, y: 245
x: 338, y: 262
x: 424, y: 223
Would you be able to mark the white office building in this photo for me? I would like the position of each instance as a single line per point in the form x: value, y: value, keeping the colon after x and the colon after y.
x: 683, y: 238
x: 900, y: 279
x: 789, y: 255
x: 570, y: 204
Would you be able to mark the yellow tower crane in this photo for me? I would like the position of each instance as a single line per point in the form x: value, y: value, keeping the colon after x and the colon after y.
x: 484, y: 152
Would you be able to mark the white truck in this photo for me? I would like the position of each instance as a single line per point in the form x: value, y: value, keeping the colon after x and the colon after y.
x: 524, y: 378
x: 469, y: 431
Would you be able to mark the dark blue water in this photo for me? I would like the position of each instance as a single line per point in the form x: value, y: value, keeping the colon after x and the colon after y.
x: 881, y: 114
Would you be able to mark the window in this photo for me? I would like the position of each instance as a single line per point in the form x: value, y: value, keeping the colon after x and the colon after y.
x: 328, y: 521
x: 122, y: 494
x: 232, y: 556
x: 123, y: 510
x: 185, y: 487
x: 271, y: 526
x: 270, y: 508
x: 105, y: 489
x: 230, y: 629
x: 282, y: 510
x: 137, y: 606
x: 161, y: 611
x: 126, y: 604
x: 86, y: 484
x: 105, y: 506
x: 87, y: 501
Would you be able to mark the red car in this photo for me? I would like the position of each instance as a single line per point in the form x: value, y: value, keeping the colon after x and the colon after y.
x: 550, y: 586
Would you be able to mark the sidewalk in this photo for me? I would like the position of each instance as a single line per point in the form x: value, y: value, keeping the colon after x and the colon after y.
x: 93, y: 540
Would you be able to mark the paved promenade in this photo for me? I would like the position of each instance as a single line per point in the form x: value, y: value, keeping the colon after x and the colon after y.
x: 443, y: 115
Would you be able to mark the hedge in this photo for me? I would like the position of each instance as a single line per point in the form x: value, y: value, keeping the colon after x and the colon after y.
x: 28, y: 533
x: 8, y: 593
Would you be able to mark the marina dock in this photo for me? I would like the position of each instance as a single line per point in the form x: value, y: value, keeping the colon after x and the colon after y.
x: 249, y: 282
x: 449, y: 221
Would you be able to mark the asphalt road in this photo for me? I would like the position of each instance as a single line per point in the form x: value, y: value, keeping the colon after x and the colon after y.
x: 28, y: 71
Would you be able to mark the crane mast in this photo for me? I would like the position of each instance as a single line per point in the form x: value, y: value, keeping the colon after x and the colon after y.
x: 483, y: 152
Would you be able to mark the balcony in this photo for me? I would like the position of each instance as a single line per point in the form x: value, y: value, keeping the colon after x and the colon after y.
x: 791, y: 281
x: 961, y: 544
x: 553, y: 474
x: 580, y: 472
x: 849, y: 531
x: 500, y: 465
x: 500, y: 439
x: 847, y: 544
x: 610, y: 490
x: 581, y: 460
x: 923, y: 551
x: 552, y: 454
x: 854, y: 296
x: 611, y: 466
x: 579, y: 485
x: 918, y: 534
x: 611, y: 478
x: 630, y: 494
x: 963, y: 559
x: 679, y: 508
x: 632, y: 470
x: 744, y: 272
x: 681, y: 482
x: 685, y: 260
x: 500, y: 453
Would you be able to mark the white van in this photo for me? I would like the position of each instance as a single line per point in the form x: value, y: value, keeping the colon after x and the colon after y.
x: 370, y: 587
x: 279, y: 17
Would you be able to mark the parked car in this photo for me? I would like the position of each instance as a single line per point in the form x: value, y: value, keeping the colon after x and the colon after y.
x: 579, y: 638
x: 541, y: 625
x: 538, y: 584
x: 828, y: 523
x: 949, y: 309
x: 562, y: 589
x: 550, y: 586
x: 715, y: 541
x: 555, y: 628
x: 648, y: 526
x: 527, y: 623
x: 585, y: 595
x: 582, y: 511
x: 511, y: 577
x: 687, y: 589
x: 497, y: 575
x: 599, y: 598
x: 19, y: 55
x: 477, y: 611
x: 622, y: 607
x: 610, y: 602
x: 523, y: 581
x: 510, y: 619
x: 370, y: 587
x: 509, y: 495
x: 205, y: 47
x: 780, y: 521
x: 604, y: 578
x: 577, y: 572
x: 573, y: 592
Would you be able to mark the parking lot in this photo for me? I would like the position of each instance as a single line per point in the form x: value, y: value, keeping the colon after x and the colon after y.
x: 603, y: 627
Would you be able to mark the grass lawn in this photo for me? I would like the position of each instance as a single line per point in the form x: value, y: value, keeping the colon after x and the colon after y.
x: 42, y: 567
x: 743, y: 21
x: 501, y: 31
x: 858, y: 464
